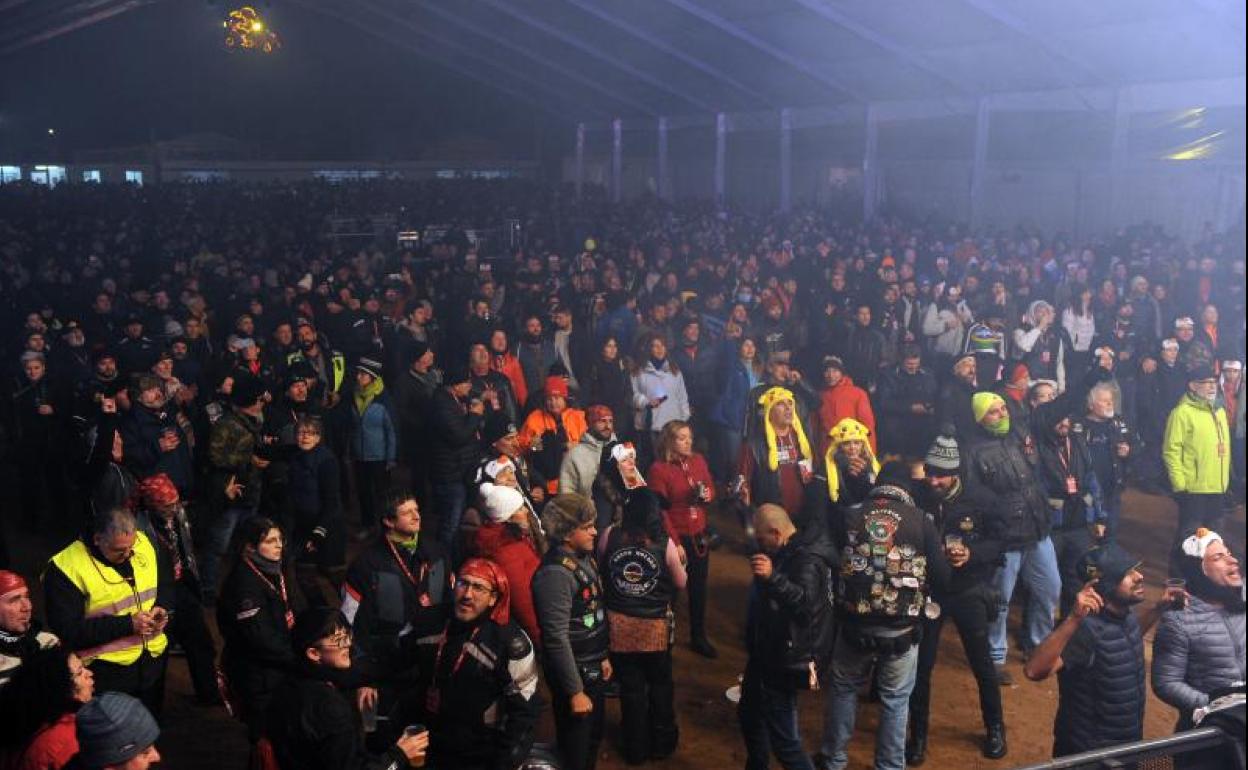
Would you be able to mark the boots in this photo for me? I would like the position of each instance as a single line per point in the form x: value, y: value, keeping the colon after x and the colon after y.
x: 916, y: 745
x: 702, y: 646
x: 994, y: 744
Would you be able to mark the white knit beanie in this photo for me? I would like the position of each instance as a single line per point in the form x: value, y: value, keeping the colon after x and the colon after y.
x: 500, y: 503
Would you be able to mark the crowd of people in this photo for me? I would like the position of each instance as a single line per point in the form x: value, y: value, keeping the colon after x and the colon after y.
x: 431, y: 491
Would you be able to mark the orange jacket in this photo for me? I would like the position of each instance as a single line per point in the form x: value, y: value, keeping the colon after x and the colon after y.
x: 844, y: 400
x: 509, y: 366
x: 540, y: 421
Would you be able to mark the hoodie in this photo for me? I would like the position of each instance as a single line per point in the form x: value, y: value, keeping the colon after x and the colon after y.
x: 580, y: 464
x: 845, y: 399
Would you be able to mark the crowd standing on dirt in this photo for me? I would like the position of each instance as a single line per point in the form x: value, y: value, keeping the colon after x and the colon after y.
x: 415, y: 481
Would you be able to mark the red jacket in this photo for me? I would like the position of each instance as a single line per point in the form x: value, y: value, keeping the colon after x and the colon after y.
x: 51, y: 748
x: 676, y: 483
x: 510, y: 549
x: 509, y: 366
x: 843, y: 400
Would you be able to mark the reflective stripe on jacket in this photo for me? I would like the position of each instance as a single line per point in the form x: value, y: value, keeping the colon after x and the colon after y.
x: 108, y: 594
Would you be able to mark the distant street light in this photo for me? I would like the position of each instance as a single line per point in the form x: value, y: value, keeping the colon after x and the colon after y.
x: 51, y: 132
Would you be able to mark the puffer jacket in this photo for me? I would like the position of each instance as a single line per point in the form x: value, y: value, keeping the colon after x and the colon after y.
x: 373, y: 439
x: 1197, y: 448
x: 1197, y: 650
x: 1102, y: 695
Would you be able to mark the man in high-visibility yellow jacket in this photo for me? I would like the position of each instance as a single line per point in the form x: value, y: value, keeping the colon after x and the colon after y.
x: 1197, y: 453
x: 107, y: 597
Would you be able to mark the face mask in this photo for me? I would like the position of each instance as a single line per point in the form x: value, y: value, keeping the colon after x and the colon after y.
x: 1001, y: 428
x: 1105, y: 412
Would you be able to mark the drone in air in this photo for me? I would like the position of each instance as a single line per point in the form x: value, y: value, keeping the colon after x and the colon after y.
x: 246, y: 29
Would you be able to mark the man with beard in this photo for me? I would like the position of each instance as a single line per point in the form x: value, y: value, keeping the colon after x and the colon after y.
x: 71, y: 360
x: 235, y: 472
x: 1197, y: 453
x: 1098, y: 655
x: 779, y: 373
x: 103, y: 383
x: 330, y: 365
x: 997, y: 466
x: 281, y: 346
x: 864, y: 348
x: 974, y: 554
x: 1162, y: 382
x: 568, y: 596
x: 536, y: 354
x: 1199, y: 650
x: 154, y: 441
x: 477, y: 688
x: 954, y: 416
x: 1066, y: 471
x: 1112, y: 445
x: 907, y: 399
x: 135, y: 349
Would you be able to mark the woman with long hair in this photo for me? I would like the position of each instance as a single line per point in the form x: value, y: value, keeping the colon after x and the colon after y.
x: 658, y: 389
x: 39, y: 704
x: 608, y: 383
x: 682, y: 481
x: 1079, y: 321
x: 641, y: 572
x: 730, y: 411
x: 255, y: 615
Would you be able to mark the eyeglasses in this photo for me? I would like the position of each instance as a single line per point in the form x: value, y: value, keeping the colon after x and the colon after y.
x: 469, y: 586
x: 339, y: 641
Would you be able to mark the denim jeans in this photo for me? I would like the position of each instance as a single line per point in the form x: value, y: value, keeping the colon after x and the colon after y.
x: 895, y: 675
x: 1037, y: 566
x: 768, y: 717
x: 450, y: 498
x: 220, y: 532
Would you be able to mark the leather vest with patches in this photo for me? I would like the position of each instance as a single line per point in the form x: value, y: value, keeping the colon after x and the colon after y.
x: 883, y: 564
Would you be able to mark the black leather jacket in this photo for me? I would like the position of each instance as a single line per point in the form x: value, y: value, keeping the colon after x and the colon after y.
x: 789, y: 621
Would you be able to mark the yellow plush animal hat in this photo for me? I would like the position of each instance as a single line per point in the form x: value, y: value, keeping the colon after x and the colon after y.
x: 769, y: 399
x: 847, y: 429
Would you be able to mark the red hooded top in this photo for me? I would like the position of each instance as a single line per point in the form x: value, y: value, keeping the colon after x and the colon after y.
x: 845, y: 399
x: 507, y: 547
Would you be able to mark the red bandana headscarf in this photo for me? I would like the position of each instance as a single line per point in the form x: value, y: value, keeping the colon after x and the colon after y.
x: 484, y: 569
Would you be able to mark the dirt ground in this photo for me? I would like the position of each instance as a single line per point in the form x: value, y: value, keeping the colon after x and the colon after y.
x: 207, y: 739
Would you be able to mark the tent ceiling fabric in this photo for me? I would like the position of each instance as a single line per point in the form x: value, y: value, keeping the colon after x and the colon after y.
x: 644, y: 58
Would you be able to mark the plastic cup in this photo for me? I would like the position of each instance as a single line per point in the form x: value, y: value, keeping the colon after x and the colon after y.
x: 409, y: 731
